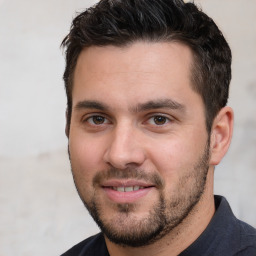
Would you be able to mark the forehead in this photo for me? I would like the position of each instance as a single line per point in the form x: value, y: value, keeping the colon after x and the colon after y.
x: 136, y: 72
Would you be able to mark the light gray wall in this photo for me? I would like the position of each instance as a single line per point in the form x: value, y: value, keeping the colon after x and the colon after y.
x: 40, y: 212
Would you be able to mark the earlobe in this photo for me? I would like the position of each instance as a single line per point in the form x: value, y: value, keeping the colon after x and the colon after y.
x: 222, y: 130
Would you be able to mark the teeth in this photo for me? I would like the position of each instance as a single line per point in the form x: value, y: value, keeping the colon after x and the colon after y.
x: 127, y: 189
x: 135, y: 188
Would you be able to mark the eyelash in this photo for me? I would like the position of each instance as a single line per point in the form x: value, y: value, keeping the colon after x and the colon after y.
x: 93, y: 119
x: 161, y: 118
x: 152, y: 120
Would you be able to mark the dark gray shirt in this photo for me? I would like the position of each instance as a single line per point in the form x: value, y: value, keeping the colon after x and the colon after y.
x: 224, y: 236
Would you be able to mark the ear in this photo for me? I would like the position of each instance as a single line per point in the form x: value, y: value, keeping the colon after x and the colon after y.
x: 222, y: 130
x: 67, y: 125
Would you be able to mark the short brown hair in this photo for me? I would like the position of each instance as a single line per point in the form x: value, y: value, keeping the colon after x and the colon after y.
x: 122, y: 22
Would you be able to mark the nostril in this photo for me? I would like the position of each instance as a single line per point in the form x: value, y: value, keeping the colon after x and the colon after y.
x: 123, y: 149
x: 122, y: 161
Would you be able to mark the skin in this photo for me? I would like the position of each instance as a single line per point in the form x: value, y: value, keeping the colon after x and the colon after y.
x: 114, y: 125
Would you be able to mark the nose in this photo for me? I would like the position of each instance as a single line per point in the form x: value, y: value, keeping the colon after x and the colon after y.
x: 125, y: 148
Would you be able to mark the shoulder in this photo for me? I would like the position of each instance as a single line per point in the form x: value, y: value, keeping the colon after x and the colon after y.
x: 239, y: 237
x: 94, y: 245
x: 247, y: 239
x: 225, y: 235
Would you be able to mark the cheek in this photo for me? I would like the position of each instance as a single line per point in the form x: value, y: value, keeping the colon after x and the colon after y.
x: 86, y: 156
x: 168, y: 156
x: 85, y: 162
x: 174, y: 157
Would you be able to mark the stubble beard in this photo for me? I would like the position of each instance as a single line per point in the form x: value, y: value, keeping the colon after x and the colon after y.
x: 125, y: 229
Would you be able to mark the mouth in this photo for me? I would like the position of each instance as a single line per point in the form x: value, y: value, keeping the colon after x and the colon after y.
x: 126, y: 192
x: 127, y: 189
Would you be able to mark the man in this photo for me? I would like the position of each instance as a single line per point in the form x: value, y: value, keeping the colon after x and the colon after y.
x: 147, y: 85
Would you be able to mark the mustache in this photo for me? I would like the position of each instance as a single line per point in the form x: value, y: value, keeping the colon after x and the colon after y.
x: 128, y: 173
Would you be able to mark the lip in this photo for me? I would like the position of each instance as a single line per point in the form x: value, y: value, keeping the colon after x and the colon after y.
x: 126, y: 183
x: 126, y: 197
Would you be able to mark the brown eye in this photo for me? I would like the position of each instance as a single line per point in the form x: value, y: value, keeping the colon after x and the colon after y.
x: 160, y: 120
x: 97, y: 120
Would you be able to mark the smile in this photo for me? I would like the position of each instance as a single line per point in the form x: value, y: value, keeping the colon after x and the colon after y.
x: 127, y: 189
x: 126, y: 193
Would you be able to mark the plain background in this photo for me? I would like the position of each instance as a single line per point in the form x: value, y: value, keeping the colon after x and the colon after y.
x: 40, y: 212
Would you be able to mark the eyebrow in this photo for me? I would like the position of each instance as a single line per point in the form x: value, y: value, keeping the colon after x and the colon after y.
x: 160, y: 103
x: 91, y: 104
x: 152, y: 104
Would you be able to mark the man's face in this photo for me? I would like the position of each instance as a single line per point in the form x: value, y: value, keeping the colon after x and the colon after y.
x: 138, y: 143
